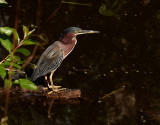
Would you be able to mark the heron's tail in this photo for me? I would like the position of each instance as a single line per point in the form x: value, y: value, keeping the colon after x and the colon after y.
x: 33, y: 76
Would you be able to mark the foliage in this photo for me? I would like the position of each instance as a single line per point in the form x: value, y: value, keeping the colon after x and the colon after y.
x: 4, y: 120
x: 3, y: 3
x: 6, y: 40
x: 27, y: 84
x: 110, y: 8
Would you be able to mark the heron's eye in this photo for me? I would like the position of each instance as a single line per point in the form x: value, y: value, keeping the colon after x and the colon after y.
x: 76, y: 31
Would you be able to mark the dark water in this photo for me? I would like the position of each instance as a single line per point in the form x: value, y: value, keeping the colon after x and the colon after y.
x: 125, y: 53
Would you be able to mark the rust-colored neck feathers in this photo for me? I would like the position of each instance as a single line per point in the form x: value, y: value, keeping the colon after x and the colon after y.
x: 69, y: 38
x: 68, y: 42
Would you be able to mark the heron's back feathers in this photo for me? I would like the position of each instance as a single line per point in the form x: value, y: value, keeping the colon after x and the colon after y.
x: 50, y: 60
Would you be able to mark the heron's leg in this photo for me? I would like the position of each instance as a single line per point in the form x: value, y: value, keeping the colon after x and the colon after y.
x: 46, y: 79
x: 54, y: 88
x: 51, y: 80
x: 49, y: 86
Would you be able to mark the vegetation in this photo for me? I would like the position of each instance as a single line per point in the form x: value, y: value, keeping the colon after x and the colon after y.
x: 13, y: 57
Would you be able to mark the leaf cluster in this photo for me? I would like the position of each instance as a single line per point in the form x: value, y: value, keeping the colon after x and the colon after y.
x: 6, y: 35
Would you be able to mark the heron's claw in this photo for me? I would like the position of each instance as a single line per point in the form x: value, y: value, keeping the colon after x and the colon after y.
x: 55, y: 87
x: 45, y: 88
x: 60, y: 90
x: 57, y: 90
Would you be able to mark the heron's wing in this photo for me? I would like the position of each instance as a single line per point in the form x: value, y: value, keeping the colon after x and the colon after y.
x: 50, y: 50
x: 50, y: 60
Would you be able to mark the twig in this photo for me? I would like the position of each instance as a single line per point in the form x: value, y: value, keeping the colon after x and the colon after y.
x: 113, y: 92
x: 11, y: 65
x: 38, y: 12
x: 30, y: 57
x: 54, y: 12
x: 14, y: 49
x: 4, y: 59
x: 15, y: 70
x: 77, y: 3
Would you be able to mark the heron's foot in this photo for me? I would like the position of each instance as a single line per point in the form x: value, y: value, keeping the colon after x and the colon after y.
x: 50, y: 88
x: 55, y: 87
x: 60, y: 89
x: 57, y: 90
x: 45, y: 88
x: 50, y: 92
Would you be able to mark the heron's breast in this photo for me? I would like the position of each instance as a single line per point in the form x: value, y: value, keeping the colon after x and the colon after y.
x: 67, y: 48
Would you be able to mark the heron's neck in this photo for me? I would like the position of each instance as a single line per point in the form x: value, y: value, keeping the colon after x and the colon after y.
x: 69, y: 38
x: 67, y: 45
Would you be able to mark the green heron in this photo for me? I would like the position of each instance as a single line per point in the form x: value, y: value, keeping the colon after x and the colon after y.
x: 53, y: 56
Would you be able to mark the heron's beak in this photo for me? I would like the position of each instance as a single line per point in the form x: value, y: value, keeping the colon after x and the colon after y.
x: 86, y: 32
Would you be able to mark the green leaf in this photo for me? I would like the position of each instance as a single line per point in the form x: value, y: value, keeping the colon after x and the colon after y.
x: 6, y: 42
x: 24, y: 51
x: 15, y: 58
x: 25, y: 31
x: 8, y: 31
x: 16, y: 82
x: 4, y: 120
x: 2, y: 71
x: 12, y: 73
x: 7, y: 84
x: 20, y: 62
x: 16, y: 65
x: 10, y: 57
x: 6, y: 63
x: 106, y: 12
x: 30, y: 32
x: 27, y: 84
x: 41, y: 37
x: 115, y: 3
x: 17, y: 36
x: 28, y: 42
x: 3, y: 2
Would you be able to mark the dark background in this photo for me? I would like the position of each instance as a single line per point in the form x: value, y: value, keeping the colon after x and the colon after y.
x: 125, y: 53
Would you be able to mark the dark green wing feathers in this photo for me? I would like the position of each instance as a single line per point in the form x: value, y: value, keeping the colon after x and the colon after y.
x: 50, y: 60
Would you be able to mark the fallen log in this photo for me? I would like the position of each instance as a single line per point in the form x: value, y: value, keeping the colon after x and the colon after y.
x: 60, y: 95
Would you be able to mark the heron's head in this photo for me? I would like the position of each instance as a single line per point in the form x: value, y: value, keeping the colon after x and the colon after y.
x: 71, y: 33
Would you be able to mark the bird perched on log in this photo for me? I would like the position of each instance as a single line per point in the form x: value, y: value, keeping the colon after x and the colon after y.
x: 53, y: 56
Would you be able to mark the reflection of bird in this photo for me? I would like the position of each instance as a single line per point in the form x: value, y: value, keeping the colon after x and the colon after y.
x: 53, y: 56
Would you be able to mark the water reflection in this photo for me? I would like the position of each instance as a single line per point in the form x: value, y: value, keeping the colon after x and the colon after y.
x: 120, y: 108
